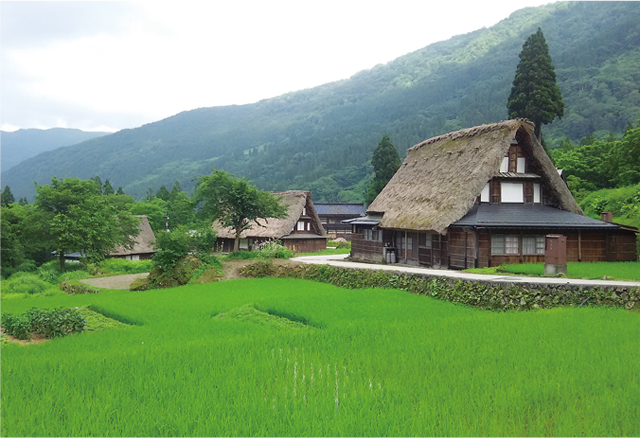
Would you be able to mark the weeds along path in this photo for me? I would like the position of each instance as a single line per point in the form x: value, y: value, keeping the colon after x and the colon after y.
x: 114, y: 281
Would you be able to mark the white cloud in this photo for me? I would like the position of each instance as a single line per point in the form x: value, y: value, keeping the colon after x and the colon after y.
x: 140, y: 62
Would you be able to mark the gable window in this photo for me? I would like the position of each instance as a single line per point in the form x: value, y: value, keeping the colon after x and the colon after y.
x: 520, y: 165
x: 512, y: 192
x: 300, y: 226
x: 485, y: 195
x: 504, y: 167
x: 536, y: 193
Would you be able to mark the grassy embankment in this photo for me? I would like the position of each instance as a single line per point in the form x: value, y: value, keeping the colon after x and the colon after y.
x: 215, y: 359
x: 599, y: 270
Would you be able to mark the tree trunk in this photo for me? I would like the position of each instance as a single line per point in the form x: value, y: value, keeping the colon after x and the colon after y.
x: 61, y: 257
x: 236, y: 244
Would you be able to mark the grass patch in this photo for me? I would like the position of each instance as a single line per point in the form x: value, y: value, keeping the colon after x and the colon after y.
x: 116, y: 266
x: 249, y: 313
x: 386, y: 362
x: 96, y: 321
x: 328, y: 251
x: 598, y: 270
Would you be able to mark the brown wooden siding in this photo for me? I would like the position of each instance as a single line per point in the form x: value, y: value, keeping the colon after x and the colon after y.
x: 582, y: 246
x: 305, y: 245
x: 369, y: 250
x: 462, y: 248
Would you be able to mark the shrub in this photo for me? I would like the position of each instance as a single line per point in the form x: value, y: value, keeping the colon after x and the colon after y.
x: 25, y: 283
x: 77, y: 288
x: 140, y: 284
x: 49, y: 323
x: 123, y: 266
x: 55, y: 323
x: 28, y: 266
x: 17, y: 326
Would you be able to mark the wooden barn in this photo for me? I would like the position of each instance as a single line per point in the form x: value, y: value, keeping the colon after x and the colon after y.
x: 300, y: 231
x: 143, y: 246
x: 482, y: 197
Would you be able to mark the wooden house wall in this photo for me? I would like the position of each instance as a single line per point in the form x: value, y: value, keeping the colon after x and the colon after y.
x: 369, y: 250
x: 305, y: 245
x: 582, y: 246
x: 462, y: 248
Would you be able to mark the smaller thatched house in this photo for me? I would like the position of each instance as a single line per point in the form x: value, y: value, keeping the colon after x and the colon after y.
x: 333, y: 213
x: 142, y: 248
x: 481, y: 197
x: 300, y: 231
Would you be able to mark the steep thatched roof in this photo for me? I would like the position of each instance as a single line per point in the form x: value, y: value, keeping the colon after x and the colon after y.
x: 439, y: 181
x: 144, y: 241
x: 273, y: 228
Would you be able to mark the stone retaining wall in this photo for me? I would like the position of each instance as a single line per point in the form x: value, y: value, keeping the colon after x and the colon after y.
x: 481, y: 294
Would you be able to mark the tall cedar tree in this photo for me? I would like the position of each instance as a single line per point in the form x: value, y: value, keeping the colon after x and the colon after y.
x: 7, y: 197
x: 235, y: 203
x: 535, y: 94
x: 386, y: 162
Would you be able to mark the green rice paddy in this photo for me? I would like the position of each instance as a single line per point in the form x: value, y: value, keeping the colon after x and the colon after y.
x: 283, y: 357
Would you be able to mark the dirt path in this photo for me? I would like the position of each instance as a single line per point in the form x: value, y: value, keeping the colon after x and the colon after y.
x: 115, y: 281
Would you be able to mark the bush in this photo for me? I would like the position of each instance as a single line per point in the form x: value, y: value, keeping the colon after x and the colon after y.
x: 25, y: 283
x: 17, y: 326
x: 49, y: 323
x: 28, y: 266
x: 77, y: 289
x: 270, y: 249
x: 50, y: 271
x: 55, y: 323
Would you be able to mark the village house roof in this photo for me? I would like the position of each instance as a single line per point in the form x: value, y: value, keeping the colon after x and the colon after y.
x: 528, y: 216
x: 441, y: 178
x: 144, y: 241
x: 272, y: 228
x: 340, y: 209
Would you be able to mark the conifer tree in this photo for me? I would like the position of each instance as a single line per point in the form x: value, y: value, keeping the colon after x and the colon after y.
x: 107, y: 188
x: 386, y: 162
x: 535, y: 94
x: 7, y: 197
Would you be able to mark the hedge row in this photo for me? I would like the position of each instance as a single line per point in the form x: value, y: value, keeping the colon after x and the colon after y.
x: 481, y: 294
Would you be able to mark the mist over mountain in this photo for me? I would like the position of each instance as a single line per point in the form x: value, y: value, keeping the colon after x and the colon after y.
x: 19, y: 145
x: 322, y: 139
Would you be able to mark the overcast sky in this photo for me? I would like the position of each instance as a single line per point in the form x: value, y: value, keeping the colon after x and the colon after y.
x: 113, y: 65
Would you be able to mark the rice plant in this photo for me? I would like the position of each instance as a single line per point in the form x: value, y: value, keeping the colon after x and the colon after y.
x: 220, y: 359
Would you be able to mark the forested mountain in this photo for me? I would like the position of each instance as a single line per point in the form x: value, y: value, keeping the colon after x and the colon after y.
x: 322, y: 139
x: 26, y: 143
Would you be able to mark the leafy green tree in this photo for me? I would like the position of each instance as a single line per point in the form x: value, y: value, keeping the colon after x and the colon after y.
x: 96, y: 179
x: 386, y: 162
x: 163, y: 193
x: 120, y: 191
x: 535, y: 94
x: 107, y: 189
x: 175, y: 190
x: 155, y: 210
x: 180, y: 209
x: 235, y: 203
x: 79, y: 219
x: 22, y: 236
x: 7, y: 197
x: 23, y: 201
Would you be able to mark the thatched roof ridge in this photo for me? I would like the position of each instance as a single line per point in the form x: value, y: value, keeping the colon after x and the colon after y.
x: 144, y: 241
x: 440, y: 179
x: 272, y: 228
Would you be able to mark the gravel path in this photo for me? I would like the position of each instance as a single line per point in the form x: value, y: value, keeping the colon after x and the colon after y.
x: 115, y: 281
x: 338, y: 260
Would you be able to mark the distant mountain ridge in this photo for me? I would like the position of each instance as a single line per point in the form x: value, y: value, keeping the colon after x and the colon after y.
x: 321, y: 139
x: 19, y: 145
